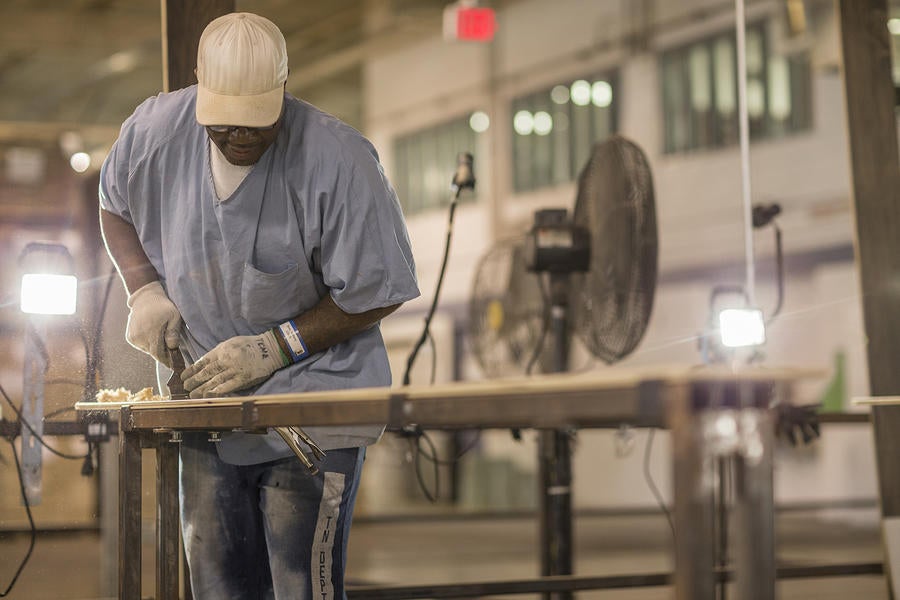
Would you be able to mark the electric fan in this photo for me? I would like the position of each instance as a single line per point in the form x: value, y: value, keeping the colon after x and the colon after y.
x: 601, y: 278
x: 602, y: 266
x: 506, y: 309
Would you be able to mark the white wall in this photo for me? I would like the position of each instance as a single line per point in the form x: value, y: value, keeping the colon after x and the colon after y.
x: 698, y: 201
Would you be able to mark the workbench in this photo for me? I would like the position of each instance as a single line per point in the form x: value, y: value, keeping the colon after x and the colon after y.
x: 678, y: 398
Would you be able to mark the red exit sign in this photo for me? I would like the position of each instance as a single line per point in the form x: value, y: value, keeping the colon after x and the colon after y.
x: 464, y: 21
x: 476, y: 24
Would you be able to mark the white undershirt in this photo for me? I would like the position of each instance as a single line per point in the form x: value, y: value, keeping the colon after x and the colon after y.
x: 226, y: 176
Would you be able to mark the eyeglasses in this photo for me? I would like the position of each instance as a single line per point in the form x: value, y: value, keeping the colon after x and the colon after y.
x: 232, y: 128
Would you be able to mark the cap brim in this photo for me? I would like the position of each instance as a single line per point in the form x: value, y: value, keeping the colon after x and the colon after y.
x: 259, y: 110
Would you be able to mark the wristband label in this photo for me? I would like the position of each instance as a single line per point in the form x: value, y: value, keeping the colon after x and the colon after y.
x: 295, y: 343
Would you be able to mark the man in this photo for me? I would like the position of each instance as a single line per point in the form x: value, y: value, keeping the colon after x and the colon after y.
x: 261, y: 237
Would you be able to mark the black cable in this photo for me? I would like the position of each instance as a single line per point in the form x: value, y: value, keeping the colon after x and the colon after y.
x: 59, y: 411
x: 437, y: 291
x: 433, y: 357
x: 31, y: 525
x: 779, y: 273
x: 415, y: 446
x: 648, y: 477
x: 40, y: 439
x: 416, y: 437
x: 452, y: 461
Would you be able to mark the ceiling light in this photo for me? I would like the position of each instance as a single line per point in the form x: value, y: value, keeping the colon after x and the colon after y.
x: 80, y: 161
x: 523, y: 122
x: 479, y: 121
x: 894, y: 26
x: 601, y: 94
x: 581, y: 92
x: 559, y: 94
x: 543, y: 123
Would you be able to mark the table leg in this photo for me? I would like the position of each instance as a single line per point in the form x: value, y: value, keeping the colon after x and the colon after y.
x: 167, y: 521
x: 555, y: 466
x: 886, y: 424
x: 129, y: 509
x: 754, y: 511
x: 693, y: 482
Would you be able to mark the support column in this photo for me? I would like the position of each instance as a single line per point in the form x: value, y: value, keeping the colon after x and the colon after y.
x: 872, y: 133
x: 182, y: 24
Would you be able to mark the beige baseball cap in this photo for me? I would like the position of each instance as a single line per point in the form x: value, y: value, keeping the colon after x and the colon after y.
x: 241, y: 70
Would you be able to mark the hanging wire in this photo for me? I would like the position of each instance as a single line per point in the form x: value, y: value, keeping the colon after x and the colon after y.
x: 37, y: 436
x: 648, y: 477
x: 31, y: 526
x: 744, y: 128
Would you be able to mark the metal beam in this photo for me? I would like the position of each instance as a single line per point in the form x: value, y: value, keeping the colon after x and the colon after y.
x: 874, y: 158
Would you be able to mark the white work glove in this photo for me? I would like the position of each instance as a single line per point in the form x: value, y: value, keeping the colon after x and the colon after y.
x: 153, y: 323
x: 235, y: 364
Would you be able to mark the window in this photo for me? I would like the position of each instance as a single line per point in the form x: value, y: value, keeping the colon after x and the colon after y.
x: 700, y: 98
x: 426, y: 161
x: 555, y: 128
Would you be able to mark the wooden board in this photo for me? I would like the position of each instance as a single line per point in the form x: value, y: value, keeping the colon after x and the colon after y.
x: 599, y: 398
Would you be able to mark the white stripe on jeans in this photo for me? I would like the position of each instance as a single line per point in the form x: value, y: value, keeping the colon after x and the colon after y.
x: 323, y: 542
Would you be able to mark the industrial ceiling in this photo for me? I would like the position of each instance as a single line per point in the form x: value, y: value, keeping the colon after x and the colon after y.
x: 83, y: 65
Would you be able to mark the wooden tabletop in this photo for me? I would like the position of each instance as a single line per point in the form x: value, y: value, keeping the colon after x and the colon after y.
x: 596, y: 398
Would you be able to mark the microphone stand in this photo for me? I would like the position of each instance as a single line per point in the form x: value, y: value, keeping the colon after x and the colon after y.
x: 464, y: 178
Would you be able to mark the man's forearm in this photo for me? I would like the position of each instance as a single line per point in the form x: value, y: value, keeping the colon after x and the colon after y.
x: 325, y: 324
x: 125, y: 250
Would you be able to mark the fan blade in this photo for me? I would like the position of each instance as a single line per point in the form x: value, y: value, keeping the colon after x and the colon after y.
x: 612, y: 302
x: 505, y: 310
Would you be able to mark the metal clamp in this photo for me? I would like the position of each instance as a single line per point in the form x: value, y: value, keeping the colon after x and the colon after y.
x: 292, y: 436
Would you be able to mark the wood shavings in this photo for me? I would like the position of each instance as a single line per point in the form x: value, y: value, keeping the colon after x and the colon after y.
x: 124, y: 396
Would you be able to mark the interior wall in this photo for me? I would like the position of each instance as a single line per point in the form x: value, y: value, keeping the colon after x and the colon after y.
x: 698, y: 197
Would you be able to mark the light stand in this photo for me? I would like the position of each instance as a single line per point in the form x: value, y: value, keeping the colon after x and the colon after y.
x: 49, y: 287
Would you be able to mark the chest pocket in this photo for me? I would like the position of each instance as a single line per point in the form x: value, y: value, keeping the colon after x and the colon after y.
x: 268, y: 299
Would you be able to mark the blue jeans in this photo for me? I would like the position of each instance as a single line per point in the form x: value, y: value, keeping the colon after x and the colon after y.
x: 269, y: 530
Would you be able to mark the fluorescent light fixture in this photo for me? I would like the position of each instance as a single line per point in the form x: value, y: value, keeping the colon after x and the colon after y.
x: 740, y: 327
x: 45, y: 294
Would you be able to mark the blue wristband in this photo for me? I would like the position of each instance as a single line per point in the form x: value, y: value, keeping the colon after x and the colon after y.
x: 295, y: 343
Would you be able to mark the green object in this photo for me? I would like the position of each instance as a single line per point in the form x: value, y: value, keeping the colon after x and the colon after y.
x: 836, y: 392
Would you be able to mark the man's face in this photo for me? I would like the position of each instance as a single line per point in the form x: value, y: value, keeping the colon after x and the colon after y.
x: 243, y: 146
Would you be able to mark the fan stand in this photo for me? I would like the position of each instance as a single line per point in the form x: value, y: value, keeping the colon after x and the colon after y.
x: 557, y: 247
x: 555, y: 456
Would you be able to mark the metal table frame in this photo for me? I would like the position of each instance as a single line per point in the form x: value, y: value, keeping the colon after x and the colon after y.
x: 670, y: 398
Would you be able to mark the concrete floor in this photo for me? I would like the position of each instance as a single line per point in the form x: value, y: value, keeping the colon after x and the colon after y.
x: 65, y: 566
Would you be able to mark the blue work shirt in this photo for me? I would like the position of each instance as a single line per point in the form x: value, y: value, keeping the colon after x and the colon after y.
x: 316, y: 215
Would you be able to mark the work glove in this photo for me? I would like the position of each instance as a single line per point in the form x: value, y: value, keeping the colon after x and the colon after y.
x: 235, y: 364
x: 153, y: 323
